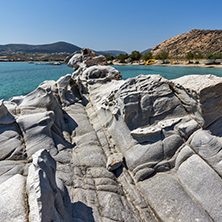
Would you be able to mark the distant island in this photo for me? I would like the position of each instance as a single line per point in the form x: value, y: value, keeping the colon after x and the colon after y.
x: 46, y: 52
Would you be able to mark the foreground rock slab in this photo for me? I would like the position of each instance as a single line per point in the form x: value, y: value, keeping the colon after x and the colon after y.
x: 92, y: 147
x: 14, y: 206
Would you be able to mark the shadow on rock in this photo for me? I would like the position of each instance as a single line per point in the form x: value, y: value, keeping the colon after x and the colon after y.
x: 82, y: 212
x: 70, y: 122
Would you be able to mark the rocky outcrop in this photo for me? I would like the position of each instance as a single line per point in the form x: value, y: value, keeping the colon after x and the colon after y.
x: 93, y: 147
x: 196, y: 41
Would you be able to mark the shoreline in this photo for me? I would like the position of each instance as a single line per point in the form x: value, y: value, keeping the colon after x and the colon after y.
x: 181, y: 64
x: 191, y: 65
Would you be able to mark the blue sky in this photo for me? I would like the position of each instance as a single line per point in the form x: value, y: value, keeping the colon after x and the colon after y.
x: 103, y: 25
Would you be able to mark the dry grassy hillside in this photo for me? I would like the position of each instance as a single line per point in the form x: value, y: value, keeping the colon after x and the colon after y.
x: 196, y: 41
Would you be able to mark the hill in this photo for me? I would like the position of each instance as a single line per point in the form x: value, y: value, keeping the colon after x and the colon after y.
x: 146, y: 51
x: 111, y: 52
x: 45, y: 48
x: 56, y: 47
x: 196, y: 41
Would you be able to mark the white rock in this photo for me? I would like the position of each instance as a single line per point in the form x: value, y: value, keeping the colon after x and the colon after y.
x: 45, y: 200
x: 5, y: 116
x: 13, y: 200
x: 37, y: 132
x: 114, y: 161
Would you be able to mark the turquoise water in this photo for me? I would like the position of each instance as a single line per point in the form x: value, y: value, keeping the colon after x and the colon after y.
x: 168, y: 72
x: 22, y: 78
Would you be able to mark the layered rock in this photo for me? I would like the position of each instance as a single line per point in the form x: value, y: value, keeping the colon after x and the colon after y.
x: 93, y: 147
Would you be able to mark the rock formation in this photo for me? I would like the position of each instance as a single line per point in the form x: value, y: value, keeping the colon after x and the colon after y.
x: 196, y: 41
x: 93, y: 147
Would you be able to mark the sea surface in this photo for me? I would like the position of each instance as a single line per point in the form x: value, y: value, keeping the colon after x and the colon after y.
x: 22, y: 78
x: 168, y: 72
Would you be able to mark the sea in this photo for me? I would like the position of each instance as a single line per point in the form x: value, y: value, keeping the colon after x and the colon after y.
x: 21, y: 78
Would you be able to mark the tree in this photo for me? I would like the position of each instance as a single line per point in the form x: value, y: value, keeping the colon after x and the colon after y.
x: 122, y: 57
x: 157, y: 57
x: 209, y: 55
x: 198, y: 56
x: 147, y: 56
x: 217, y: 55
x: 189, y: 56
x: 164, y: 56
x: 135, y: 55
x: 109, y: 57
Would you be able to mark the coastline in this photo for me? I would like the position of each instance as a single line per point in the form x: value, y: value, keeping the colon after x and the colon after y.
x: 180, y: 64
x: 192, y: 65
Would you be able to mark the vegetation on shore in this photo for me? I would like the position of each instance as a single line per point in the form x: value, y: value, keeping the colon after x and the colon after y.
x: 164, y: 56
x: 121, y: 58
x: 190, y: 47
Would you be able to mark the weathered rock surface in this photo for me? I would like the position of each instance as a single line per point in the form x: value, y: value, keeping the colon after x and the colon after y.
x: 93, y: 147
x: 13, y: 199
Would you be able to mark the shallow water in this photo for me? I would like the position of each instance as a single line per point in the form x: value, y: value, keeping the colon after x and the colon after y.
x: 22, y: 78
x: 168, y: 72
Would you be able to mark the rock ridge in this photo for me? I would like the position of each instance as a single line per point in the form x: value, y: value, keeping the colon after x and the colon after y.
x: 93, y: 147
x: 197, y: 41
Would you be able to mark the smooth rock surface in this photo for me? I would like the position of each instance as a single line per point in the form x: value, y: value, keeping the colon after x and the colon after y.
x: 14, y: 206
x: 45, y: 199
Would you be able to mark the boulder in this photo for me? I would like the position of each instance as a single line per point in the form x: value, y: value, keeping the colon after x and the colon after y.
x: 114, y: 161
x: 97, y: 60
x: 79, y: 58
x: 100, y: 73
x: 208, y: 92
x: 67, y: 90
